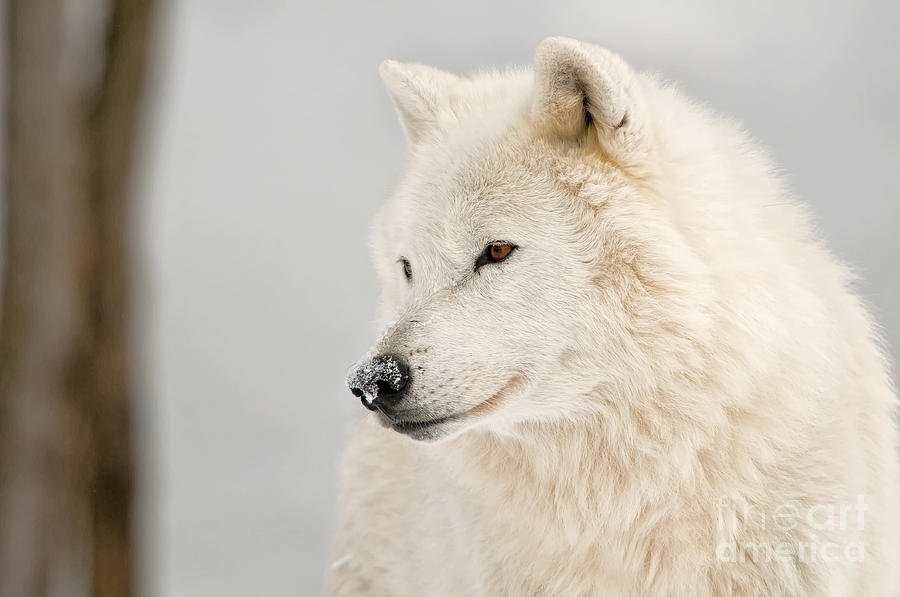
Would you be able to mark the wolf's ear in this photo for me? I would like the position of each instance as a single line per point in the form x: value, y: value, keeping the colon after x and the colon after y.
x: 582, y: 91
x: 420, y: 93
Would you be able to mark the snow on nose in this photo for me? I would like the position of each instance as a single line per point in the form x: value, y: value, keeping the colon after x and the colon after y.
x: 374, y: 380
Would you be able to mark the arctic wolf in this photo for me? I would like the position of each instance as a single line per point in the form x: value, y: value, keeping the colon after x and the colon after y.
x: 618, y: 361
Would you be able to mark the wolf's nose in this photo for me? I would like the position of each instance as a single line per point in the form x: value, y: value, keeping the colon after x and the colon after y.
x: 378, y: 382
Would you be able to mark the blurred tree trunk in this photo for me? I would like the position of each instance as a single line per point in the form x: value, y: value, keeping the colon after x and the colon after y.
x: 66, y: 464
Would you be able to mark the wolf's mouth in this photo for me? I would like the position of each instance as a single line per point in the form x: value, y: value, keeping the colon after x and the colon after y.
x: 423, y: 429
x: 409, y: 427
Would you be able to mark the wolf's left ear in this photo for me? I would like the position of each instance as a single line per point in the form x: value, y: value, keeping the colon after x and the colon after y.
x: 421, y: 95
x: 583, y: 91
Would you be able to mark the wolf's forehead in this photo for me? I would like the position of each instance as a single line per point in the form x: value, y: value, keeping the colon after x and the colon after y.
x: 442, y: 215
x: 477, y: 182
x: 467, y: 191
x: 467, y: 208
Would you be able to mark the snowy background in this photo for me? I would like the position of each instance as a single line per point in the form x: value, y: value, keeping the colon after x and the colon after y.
x: 270, y: 142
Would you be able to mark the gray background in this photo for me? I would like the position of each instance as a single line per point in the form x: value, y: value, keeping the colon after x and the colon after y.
x: 270, y: 142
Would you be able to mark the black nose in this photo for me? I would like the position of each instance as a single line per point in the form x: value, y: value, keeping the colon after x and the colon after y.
x: 379, y: 381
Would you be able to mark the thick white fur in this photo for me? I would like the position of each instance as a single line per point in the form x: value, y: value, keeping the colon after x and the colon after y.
x: 669, y: 357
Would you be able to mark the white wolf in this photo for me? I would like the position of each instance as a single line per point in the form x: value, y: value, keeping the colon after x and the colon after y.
x: 619, y: 361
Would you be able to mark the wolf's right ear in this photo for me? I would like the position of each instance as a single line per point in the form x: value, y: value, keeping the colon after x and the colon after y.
x: 586, y: 93
x: 421, y: 95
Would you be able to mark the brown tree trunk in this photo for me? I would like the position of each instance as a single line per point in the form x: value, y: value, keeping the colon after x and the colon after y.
x: 66, y: 464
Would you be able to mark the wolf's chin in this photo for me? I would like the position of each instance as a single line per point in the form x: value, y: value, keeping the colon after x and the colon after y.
x: 422, y: 430
x: 430, y: 432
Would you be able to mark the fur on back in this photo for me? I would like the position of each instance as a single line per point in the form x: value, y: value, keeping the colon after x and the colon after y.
x: 670, y: 387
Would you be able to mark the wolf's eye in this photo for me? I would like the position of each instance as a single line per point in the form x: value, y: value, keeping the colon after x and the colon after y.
x: 499, y: 251
x: 407, y: 268
x: 494, y: 252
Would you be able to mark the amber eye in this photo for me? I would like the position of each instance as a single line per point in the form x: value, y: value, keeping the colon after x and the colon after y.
x: 499, y: 251
x: 494, y: 252
x: 407, y: 268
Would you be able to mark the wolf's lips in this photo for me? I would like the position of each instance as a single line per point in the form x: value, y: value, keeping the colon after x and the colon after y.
x: 410, y: 427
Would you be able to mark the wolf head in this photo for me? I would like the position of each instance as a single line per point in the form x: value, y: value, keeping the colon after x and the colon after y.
x: 530, y: 269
